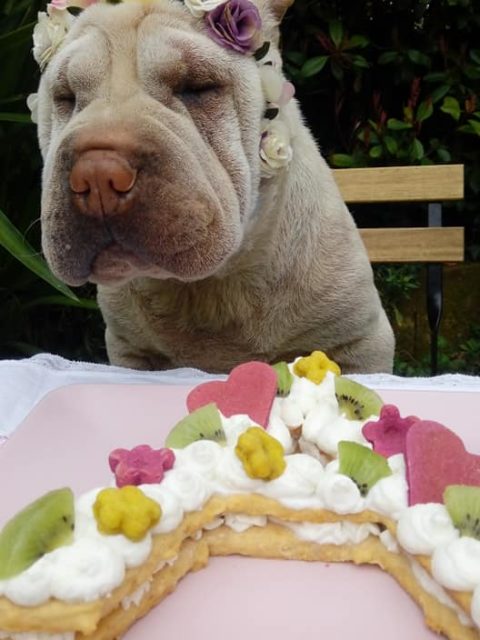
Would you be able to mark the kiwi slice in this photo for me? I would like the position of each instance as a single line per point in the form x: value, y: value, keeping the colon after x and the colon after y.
x: 41, y: 527
x: 355, y: 401
x: 362, y: 465
x: 463, y: 505
x: 284, y: 379
x: 203, y: 424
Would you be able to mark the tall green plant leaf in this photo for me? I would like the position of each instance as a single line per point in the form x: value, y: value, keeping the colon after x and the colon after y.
x: 12, y: 240
x: 16, y: 38
x: 23, y: 118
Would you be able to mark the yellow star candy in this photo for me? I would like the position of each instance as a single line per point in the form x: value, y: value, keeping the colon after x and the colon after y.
x: 315, y: 367
x: 127, y: 510
x: 262, y: 455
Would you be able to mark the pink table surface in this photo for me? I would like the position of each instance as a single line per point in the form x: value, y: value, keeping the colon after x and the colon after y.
x: 66, y: 440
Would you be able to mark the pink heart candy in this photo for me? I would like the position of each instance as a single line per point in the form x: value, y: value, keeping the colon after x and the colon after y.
x: 250, y: 389
x: 436, y: 458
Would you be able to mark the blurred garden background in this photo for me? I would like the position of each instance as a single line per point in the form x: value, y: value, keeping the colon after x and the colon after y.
x: 381, y: 82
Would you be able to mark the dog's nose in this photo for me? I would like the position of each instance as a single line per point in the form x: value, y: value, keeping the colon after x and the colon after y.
x: 101, y: 180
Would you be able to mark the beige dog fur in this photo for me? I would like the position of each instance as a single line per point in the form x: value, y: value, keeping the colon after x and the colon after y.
x: 210, y: 265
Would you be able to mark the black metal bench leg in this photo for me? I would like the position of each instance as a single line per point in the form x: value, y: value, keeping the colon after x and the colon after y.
x: 434, y: 310
x: 434, y: 292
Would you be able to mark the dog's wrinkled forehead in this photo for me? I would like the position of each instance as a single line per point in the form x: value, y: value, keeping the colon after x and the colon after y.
x: 161, y: 40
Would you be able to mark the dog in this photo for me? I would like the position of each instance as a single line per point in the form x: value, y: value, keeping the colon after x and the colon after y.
x: 153, y: 189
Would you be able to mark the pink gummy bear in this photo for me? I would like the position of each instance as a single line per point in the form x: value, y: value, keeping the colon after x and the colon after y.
x: 388, y: 434
x: 140, y: 465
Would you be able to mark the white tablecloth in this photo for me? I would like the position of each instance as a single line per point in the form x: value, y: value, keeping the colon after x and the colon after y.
x: 23, y: 383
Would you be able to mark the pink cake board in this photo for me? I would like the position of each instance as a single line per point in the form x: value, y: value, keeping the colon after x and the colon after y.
x: 66, y: 441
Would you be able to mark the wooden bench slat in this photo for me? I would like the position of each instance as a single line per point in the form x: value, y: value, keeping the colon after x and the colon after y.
x: 407, y: 244
x: 429, y: 183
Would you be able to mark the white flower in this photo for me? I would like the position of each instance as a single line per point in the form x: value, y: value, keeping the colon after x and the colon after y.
x: 199, y: 7
x: 32, y: 104
x: 276, y: 89
x: 49, y: 33
x: 272, y: 83
x: 275, y: 149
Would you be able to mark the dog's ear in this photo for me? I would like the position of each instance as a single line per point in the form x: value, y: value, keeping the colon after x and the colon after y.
x: 272, y: 12
x: 279, y: 8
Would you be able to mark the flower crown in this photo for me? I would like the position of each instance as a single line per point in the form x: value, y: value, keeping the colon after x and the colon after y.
x: 234, y: 24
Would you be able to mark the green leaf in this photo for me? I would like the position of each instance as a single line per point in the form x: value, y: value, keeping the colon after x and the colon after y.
x: 372, y: 137
x: 24, y: 118
x: 357, y: 41
x: 388, y: 56
x: 360, y: 61
x: 398, y: 316
x: 452, y: 107
x: 475, y: 124
x: 437, y: 76
x: 397, y: 125
x: 336, y: 32
x: 23, y: 347
x: 439, y: 92
x: 11, y: 99
x: 391, y: 144
x: 296, y: 57
x: 472, y: 72
x: 475, y: 55
x: 417, y: 149
x: 418, y: 57
x: 12, y: 240
x: 342, y: 160
x: 16, y: 38
x: 424, y: 111
x: 444, y: 155
x: 376, y: 152
x: 61, y: 301
x: 337, y: 71
x: 313, y: 66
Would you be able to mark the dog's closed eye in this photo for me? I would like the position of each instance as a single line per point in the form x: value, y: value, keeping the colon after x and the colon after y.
x: 64, y: 101
x: 198, y: 90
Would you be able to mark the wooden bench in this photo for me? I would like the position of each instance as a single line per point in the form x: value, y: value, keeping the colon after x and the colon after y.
x: 432, y: 244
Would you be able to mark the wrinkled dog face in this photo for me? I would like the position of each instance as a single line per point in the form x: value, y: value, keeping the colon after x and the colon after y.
x: 149, y: 133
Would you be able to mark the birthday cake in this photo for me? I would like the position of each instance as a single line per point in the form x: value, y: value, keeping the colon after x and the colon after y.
x: 286, y: 461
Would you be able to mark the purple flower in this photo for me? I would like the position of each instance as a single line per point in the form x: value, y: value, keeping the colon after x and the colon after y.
x: 235, y: 24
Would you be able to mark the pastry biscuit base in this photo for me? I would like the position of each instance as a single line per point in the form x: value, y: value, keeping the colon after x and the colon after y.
x: 275, y: 541
x: 107, y: 619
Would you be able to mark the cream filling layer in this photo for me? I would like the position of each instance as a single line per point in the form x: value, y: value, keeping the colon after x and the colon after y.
x: 427, y: 583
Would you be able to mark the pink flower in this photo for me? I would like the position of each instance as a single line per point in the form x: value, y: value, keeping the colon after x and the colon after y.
x: 235, y: 24
x: 64, y: 4
x: 140, y: 465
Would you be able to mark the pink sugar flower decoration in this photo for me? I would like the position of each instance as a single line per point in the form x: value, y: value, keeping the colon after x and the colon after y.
x: 140, y: 465
x: 388, y: 434
x: 64, y: 4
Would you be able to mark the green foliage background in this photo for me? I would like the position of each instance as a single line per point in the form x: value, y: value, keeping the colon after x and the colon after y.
x: 380, y: 81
